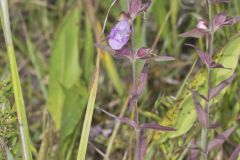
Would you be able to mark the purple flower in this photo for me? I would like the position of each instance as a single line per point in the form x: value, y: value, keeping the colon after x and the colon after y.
x: 202, y: 25
x: 119, y: 35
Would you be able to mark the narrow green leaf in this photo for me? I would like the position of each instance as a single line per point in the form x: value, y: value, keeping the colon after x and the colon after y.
x: 88, y: 63
x: 89, y: 112
x: 18, y: 95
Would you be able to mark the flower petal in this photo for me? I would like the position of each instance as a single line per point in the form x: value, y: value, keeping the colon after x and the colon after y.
x: 119, y: 35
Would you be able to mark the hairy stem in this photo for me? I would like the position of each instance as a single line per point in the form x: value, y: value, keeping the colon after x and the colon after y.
x: 135, y: 106
x: 137, y: 148
x: 135, y: 100
x: 133, y: 73
x: 204, y: 137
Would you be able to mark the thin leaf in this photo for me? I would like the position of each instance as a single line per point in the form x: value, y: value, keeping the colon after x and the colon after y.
x: 203, y: 97
x: 148, y: 53
x: 127, y: 121
x: 88, y: 56
x: 163, y: 58
x: 99, y: 151
x: 89, y: 112
x: 219, y: 140
x: 235, y: 154
x: 194, y: 33
x: 215, y: 91
x: 214, y: 126
x: 156, y: 127
x: 221, y: 1
x: 217, y: 65
x: 203, y: 55
x: 201, y: 114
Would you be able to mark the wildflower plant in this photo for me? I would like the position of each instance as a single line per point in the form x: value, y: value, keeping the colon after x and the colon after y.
x: 206, y: 29
x: 121, y: 45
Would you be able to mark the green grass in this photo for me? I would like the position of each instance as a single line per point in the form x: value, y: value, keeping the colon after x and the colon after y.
x: 16, y: 84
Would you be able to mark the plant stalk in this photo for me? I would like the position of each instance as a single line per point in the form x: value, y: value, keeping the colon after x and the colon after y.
x: 135, y: 106
x: 205, y: 130
x: 135, y: 100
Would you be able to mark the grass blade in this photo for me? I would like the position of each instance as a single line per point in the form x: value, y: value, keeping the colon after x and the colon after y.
x: 89, y: 112
x: 19, y: 101
x: 106, y: 58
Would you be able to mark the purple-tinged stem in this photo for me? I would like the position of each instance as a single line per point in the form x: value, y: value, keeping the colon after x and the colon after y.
x: 204, y: 136
x: 135, y: 100
x: 135, y: 106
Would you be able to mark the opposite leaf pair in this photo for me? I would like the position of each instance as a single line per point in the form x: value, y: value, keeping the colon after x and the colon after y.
x: 206, y: 58
x: 213, y: 144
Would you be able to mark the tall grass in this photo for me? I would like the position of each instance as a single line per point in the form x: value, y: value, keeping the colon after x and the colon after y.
x: 16, y: 84
x: 92, y: 92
